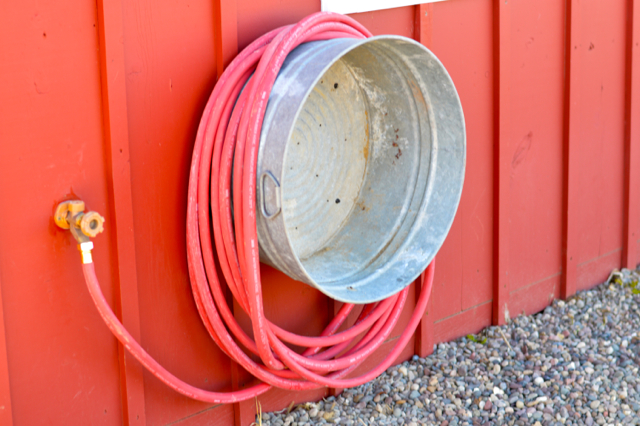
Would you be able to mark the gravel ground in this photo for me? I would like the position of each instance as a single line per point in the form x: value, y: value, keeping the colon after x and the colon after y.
x: 575, y: 363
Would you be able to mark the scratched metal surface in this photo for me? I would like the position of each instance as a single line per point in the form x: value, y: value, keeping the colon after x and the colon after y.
x: 361, y: 165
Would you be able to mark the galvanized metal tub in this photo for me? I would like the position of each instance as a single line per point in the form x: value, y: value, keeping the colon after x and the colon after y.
x: 361, y: 165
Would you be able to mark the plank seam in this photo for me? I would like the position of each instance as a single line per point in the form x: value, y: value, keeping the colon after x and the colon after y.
x: 424, y: 335
x: 527, y: 286
x: 501, y: 178
x: 568, y: 284
x: 463, y: 311
x: 116, y: 135
x: 631, y: 136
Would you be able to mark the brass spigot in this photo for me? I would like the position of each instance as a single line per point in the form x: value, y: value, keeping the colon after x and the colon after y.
x: 91, y: 224
x: 83, y: 226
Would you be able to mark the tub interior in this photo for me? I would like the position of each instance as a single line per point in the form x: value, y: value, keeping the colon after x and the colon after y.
x: 356, y: 165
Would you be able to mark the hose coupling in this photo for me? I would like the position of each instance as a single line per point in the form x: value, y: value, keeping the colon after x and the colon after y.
x: 83, y: 225
x: 85, y: 252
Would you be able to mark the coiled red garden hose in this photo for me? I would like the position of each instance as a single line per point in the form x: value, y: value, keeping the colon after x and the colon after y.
x: 227, y: 142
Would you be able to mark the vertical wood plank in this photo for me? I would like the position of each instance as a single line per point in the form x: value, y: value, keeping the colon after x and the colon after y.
x: 502, y: 85
x: 114, y: 105
x: 6, y: 413
x: 424, y: 341
x: 226, y: 33
x: 423, y: 26
x: 632, y: 139
x: 425, y: 333
x: 244, y: 412
x: 571, y: 135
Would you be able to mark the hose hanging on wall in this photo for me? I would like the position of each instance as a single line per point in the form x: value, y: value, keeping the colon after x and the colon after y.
x: 227, y: 142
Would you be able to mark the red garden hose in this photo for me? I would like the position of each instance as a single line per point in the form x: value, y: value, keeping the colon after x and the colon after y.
x: 227, y: 142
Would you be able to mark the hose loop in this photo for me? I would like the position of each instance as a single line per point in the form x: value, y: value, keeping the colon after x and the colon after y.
x: 227, y: 142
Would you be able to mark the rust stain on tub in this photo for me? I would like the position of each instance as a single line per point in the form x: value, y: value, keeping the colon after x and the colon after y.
x: 365, y: 149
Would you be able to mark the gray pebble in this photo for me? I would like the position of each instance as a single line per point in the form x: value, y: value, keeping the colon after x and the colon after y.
x: 567, y: 365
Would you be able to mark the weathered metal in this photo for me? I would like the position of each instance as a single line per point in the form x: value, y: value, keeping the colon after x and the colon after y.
x: 361, y: 165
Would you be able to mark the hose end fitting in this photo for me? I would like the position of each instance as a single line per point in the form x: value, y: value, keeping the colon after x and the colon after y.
x: 85, y: 252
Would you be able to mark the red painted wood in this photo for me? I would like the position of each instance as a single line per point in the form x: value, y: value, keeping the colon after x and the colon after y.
x: 215, y: 415
x: 423, y: 24
x: 6, y: 412
x: 502, y: 160
x: 464, y: 272
x: 534, y: 156
x: 468, y: 321
x: 226, y: 44
x: 448, y: 278
x: 170, y: 70
x: 423, y: 32
x: 226, y: 32
x: 599, y: 188
x: 63, y: 361
x: 464, y: 261
x: 399, y: 20
x: 573, y: 51
x: 535, y: 297
x: 257, y: 17
x: 114, y: 107
x: 424, y: 335
x: 631, y: 224
x: 596, y: 271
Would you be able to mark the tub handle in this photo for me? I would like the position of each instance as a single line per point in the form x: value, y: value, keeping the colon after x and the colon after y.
x: 263, y: 201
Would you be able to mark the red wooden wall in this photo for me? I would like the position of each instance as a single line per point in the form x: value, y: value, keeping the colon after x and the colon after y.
x: 102, y: 100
